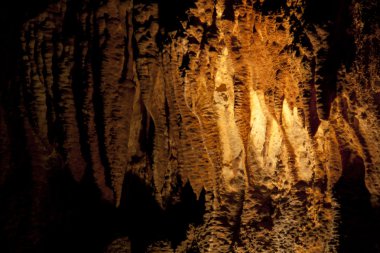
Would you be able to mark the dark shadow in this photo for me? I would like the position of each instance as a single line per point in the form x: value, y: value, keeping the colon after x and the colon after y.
x: 77, y: 219
x: 171, y: 12
x: 228, y: 12
x: 57, y: 215
x: 13, y: 15
x: 360, y: 223
x: 335, y: 16
x: 268, y: 7
x: 143, y: 220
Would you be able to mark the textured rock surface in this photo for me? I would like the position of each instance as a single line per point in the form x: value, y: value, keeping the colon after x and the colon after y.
x: 212, y: 126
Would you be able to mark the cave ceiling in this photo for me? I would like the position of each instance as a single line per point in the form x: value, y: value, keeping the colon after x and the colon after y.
x: 190, y: 126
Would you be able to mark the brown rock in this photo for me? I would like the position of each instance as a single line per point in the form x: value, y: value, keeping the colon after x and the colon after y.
x: 268, y: 111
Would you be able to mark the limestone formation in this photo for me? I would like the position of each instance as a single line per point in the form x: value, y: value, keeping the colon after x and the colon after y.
x: 259, y: 118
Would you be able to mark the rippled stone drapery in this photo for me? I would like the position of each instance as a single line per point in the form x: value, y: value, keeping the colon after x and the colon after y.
x: 268, y: 109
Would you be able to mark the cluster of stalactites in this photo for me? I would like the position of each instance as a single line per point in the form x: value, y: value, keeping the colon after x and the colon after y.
x: 230, y: 97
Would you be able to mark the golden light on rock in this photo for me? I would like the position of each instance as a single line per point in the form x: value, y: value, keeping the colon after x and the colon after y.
x: 198, y: 126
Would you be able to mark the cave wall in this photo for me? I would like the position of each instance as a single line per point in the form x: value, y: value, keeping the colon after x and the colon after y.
x: 243, y: 126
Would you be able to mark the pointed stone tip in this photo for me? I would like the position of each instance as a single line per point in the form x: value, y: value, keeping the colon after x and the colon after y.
x: 117, y: 204
x: 117, y: 187
x: 117, y: 199
x: 108, y: 195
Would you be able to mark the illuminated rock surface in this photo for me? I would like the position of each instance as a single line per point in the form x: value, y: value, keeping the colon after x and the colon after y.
x: 191, y: 126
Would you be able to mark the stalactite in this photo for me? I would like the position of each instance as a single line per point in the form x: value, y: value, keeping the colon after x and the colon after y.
x: 258, y: 107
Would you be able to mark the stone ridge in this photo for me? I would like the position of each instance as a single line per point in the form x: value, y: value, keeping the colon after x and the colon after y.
x: 266, y: 108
